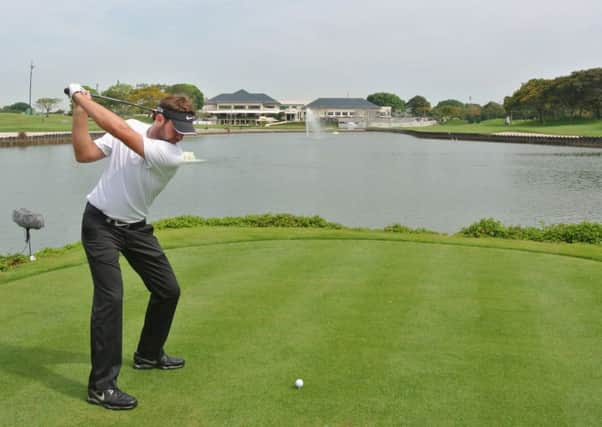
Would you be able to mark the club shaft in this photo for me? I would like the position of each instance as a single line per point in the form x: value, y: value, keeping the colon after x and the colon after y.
x: 121, y: 101
x: 108, y: 98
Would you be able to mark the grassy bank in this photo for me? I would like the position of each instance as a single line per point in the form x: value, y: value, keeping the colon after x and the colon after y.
x: 563, y: 127
x: 385, y: 329
x: 11, y: 122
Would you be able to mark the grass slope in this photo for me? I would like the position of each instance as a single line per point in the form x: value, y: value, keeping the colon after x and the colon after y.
x: 12, y: 122
x: 578, y: 127
x: 385, y: 329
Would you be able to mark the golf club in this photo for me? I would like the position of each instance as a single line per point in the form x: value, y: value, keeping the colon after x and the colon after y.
x: 108, y: 98
x: 188, y: 156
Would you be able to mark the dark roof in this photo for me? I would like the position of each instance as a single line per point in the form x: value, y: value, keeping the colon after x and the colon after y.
x: 340, y: 103
x: 243, y: 96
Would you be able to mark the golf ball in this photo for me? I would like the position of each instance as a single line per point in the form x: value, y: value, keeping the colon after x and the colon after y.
x: 299, y: 383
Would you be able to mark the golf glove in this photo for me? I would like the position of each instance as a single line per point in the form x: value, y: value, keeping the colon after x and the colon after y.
x: 75, y: 88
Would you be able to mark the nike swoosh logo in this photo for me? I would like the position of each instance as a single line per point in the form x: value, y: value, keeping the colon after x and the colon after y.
x: 189, y: 117
x: 102, y: 396
x: 99, y: 396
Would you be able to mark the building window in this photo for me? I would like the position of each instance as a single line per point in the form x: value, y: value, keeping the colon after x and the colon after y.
x: 253, y: 107
x: 239, y: 107
x: 225, y: 107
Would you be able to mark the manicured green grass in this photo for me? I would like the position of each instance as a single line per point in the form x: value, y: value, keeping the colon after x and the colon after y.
x: 561, y: 127
x: 213, y: 126
x: 301, y: 125
x: 291, y: 125
x: 11, y: 122
x: 278, y: 127
x: 385, y: 329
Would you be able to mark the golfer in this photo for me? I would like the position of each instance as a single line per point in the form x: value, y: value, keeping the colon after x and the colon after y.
x: 141, y: 159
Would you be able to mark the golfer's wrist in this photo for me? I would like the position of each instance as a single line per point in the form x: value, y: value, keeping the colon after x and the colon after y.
x: 79, y: 110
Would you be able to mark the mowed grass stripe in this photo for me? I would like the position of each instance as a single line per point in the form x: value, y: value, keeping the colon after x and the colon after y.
x: 569, y: 323
x: 209, y: 236
x: 455, y: 277
x: 382, y: 332
x: 509, y: 351
x: 290, y: 318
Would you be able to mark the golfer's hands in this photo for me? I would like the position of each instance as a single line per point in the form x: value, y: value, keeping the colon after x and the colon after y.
x: 75, y: 88
x: 77, y: 93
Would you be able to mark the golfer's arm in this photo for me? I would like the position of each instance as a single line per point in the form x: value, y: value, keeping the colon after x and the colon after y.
x: 84, y: 148
x: 111, y: 123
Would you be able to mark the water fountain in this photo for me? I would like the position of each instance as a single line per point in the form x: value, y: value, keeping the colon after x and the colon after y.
x: 312, y: 124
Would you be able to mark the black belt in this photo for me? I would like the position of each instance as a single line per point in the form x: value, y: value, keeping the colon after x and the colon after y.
x: 117, y: 223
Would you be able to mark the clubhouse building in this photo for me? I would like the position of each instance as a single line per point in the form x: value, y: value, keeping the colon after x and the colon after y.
x: 345, y: 109
x: 243, y: 108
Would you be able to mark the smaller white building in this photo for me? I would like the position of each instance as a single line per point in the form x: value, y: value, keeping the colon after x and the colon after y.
x: 294, y: 111
x: 349, y: 112
x: 338, y: 108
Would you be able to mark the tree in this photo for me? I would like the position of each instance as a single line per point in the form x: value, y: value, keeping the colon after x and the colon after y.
x: 385, y: 99
x: 119, y: 91
x: 590, y: 82
x: 145, y: 95
x: 534, y: 97
x: 47, y: 104
x: 576, y: 95
x: 513, y: 107
x: 419, y: 106
x: 189, y: 90
x: 17, y: 107
x: 492, y: 110
x: 448, y: 109
x: 472, y: 113
x: 566, y: 89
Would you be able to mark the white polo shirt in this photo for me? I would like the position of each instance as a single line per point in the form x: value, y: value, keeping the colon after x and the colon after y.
x: 130, y: 183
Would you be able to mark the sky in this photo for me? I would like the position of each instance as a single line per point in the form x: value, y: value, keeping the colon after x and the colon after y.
x: 473, y: 51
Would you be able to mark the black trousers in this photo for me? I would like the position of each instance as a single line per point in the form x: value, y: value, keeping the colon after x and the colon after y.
x: 103, y: 241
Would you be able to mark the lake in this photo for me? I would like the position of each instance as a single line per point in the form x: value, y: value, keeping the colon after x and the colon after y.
x: 357, y: 179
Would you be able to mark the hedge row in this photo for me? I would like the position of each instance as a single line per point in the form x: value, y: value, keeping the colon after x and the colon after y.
x: 266, y: 220
x: 9, y: 261
x: 583, y: 232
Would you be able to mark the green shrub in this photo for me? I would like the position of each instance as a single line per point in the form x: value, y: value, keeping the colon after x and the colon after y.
x: 264, y: 220
x: 583, y: 232
x: 398, y: 228
x: 9, y: 261
x: 486, y: 227
x: 586, y: 232
x: 58, y: 251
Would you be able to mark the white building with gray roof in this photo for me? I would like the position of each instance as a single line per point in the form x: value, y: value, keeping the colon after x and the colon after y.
x: 347, y: 109
x: 242, y: 108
